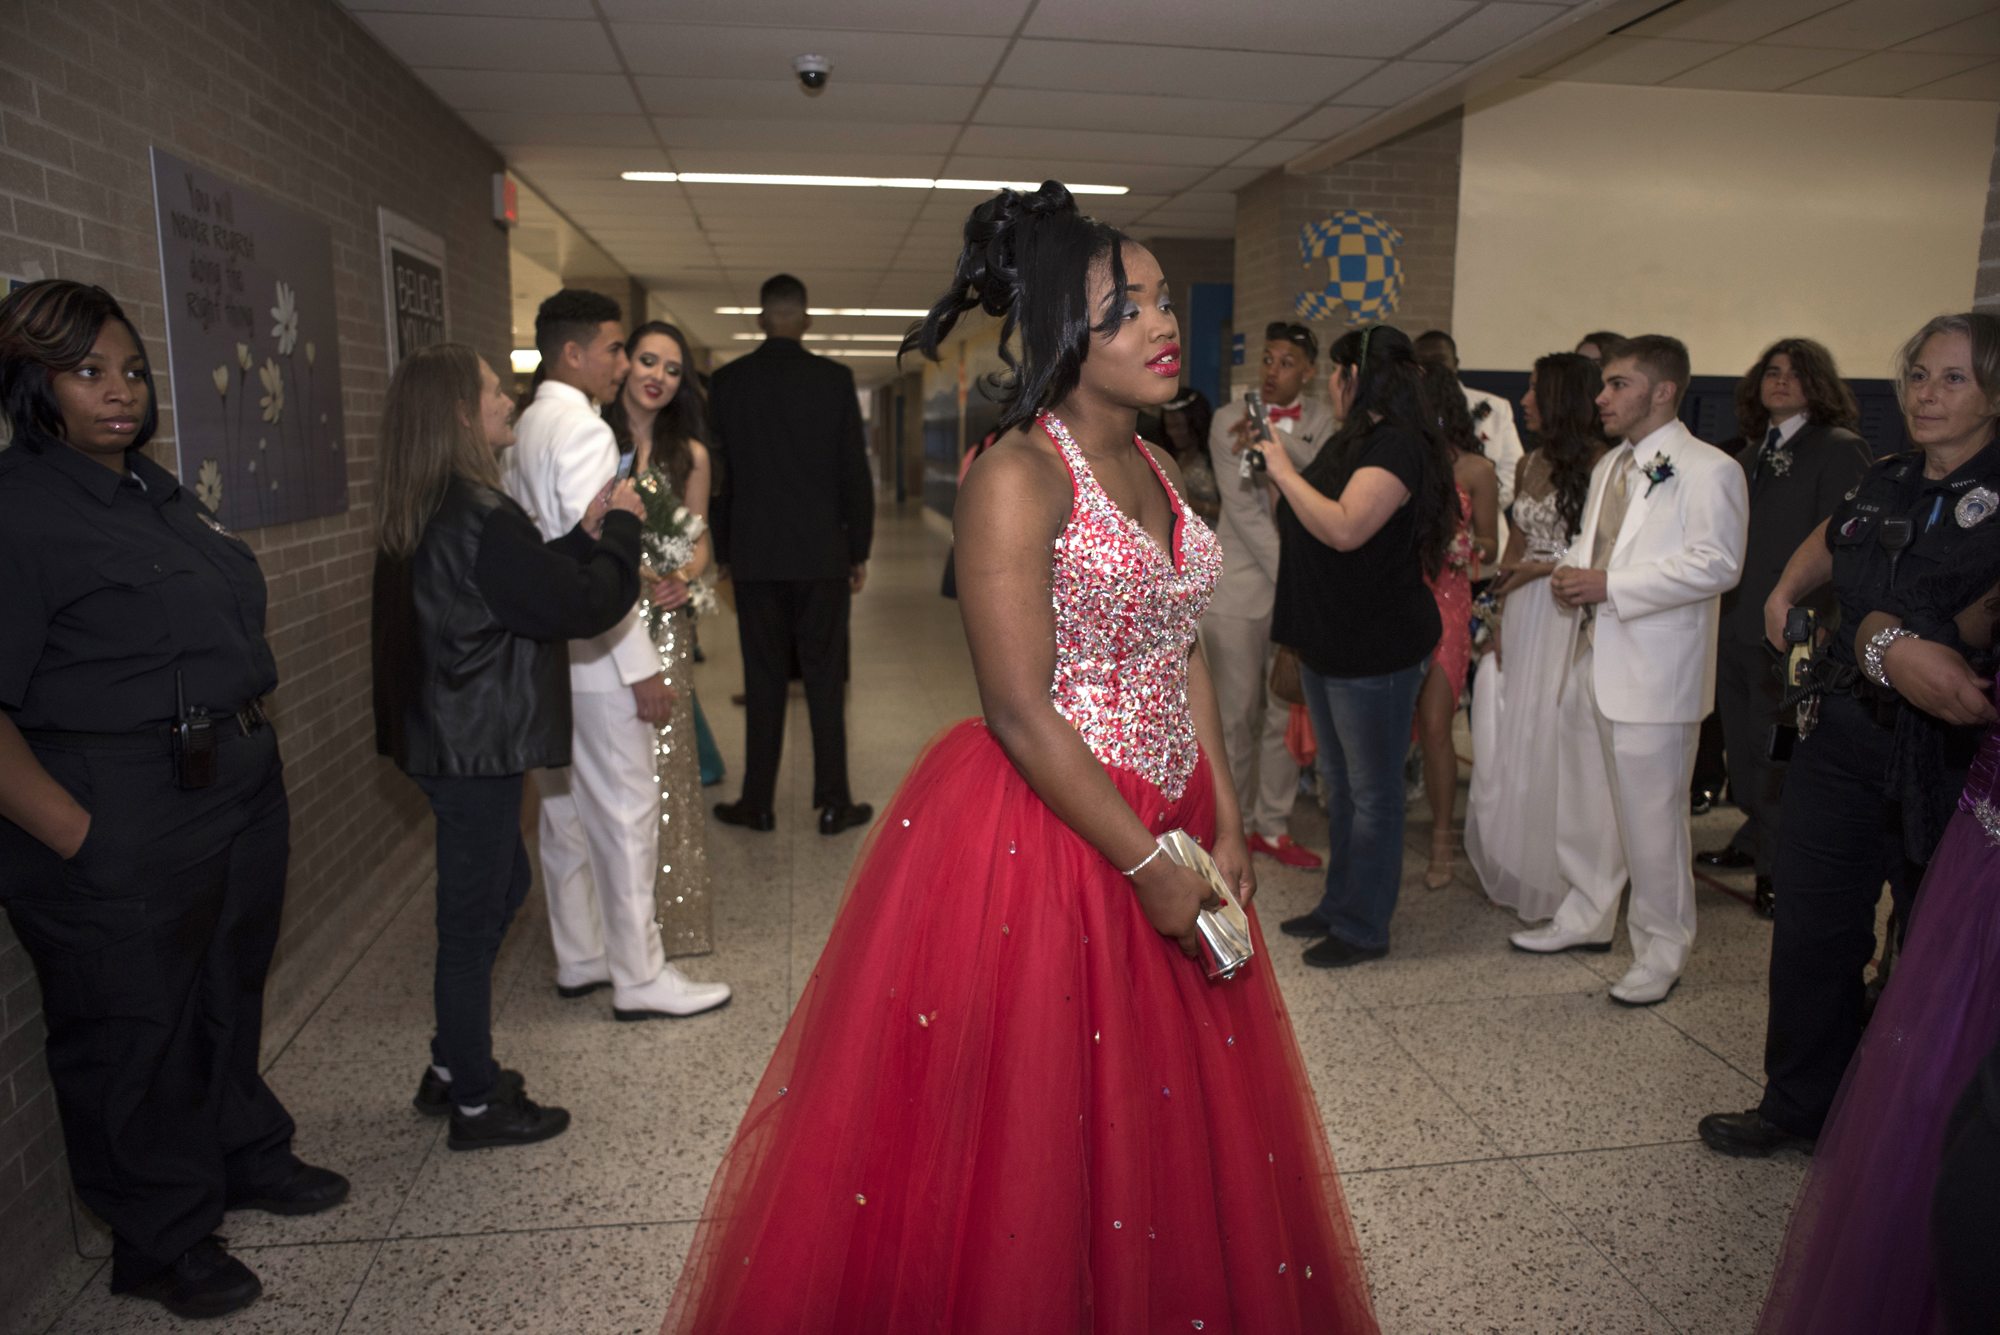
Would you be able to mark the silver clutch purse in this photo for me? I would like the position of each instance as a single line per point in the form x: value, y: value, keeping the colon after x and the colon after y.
x: 1225, y: 932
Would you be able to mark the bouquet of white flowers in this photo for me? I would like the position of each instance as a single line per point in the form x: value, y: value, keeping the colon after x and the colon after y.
x: 670, y: 534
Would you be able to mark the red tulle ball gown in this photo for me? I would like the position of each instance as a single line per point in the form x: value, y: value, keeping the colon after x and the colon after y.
x: 1005, y: 1103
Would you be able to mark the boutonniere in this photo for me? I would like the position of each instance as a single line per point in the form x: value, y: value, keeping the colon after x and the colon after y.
x: 1779, y: 461
x: 1657, y: 471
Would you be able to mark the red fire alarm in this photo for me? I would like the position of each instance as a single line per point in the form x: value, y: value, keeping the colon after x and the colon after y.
x: 506, y: 200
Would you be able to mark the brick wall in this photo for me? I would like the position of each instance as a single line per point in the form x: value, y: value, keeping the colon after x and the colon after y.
x: 292, y: 98
x: 1986, y: 288
x: 1411, y: 183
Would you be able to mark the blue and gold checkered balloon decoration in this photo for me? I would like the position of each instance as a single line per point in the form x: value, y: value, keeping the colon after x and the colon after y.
x: 1364, y: 279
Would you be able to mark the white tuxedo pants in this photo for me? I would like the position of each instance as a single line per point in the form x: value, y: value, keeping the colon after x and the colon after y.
x: 1622, y: 814
x: 1239, y: 653
x: 600, y: 835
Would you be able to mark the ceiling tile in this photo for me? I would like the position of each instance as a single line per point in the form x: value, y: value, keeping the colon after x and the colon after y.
x: 1088, y: 112
x: 695, y: 51
x: 1324, y: 124
x: 1397, y: 82
x: 1332, y: 27
x: 1232, y: 179
x: 1887, y: 73
x: 779, y: 99
x: 1274, y: 152
x: 1870, y: 25
x: 581, y: 162
x: 995, y: 17
x: 1760, y: 69
x: 801, y: 161
x: 531, y: 91
x: 510, y: 128
x: 1981, y: 84
x: 546, y: 9
x: 455, y: 42
x: 1135, y: 148
x: 1487, y: 31
x: 1978, y: 36
x: 1132, y: 68
x: 808, y: 136
x: 1148, y: 177
x: 1727, y: 20
x: 1639, y: 60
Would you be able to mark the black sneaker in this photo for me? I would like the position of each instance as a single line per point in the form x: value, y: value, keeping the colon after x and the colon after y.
x: 1307, y: 927
x: 511, y: 1118
x: 205, y: 1282
x: 307, y: 1189
x: 434, y: 1095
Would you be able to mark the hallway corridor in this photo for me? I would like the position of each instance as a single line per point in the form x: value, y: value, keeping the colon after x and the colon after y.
x: 1519, y: 1154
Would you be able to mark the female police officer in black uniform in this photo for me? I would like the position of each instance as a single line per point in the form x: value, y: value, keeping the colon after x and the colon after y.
x: 143, y: 824
x: 1900, y: 714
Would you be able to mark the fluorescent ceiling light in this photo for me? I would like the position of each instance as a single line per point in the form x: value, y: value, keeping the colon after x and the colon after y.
x: 889, y: 312
x: 875, y: 182
x: 829, y: 338
x: 525, y: 360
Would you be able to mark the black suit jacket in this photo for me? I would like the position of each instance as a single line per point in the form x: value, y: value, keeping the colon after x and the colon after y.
x: 796, y: 500
x: 1827, y: 461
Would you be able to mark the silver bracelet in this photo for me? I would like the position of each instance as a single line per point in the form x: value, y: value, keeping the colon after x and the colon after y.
x: 1878, y: 644
x: 1157, y: 850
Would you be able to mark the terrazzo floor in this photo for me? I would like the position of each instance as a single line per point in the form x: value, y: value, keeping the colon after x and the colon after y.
x: 1518, y: 1153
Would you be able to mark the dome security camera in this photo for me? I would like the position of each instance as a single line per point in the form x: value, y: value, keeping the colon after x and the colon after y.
x: 813, y: 72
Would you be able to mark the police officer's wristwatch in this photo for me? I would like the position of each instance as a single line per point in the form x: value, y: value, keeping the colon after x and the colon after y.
x: 1878, y: 644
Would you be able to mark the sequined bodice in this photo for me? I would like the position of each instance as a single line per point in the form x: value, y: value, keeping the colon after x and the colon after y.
x: 1981, y: 794
x: 1126, y: 613
x: 1538, y: 518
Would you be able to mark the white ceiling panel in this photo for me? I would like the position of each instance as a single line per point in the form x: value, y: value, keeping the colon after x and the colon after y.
x: 1487, y: 30
x: 1087, y: 112
x: 806, y: 136
x: 511, y: 128
x: 533, y: 91
x: 1332, y: 27
x: 1275, y: 152
x: 1102, y: 146
x: 1869, y: 25
x: 545, y: 9
x: 465, y: 43
x: 796, y: 161
x: 1887, y: 73
x: 1635, y: 60
x: 1149, y: 177
x: 1975, y: 85
x: 1397, y: 82
x: 710, y: 52
x: 1230, y: 178
x: 1322, y: 124
x: 1979, y: 35
x: 995, y: 17
x: 780, y: 99
x: 1733, y: 21
x: 1132, y: 68
x: 1755, y: 69
x: 596, y: 163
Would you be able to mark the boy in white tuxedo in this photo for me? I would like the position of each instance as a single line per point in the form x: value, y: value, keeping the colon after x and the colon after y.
x: 1663, y: 536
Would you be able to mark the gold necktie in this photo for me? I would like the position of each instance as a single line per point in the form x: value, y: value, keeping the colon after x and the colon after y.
x: 1610, y: 518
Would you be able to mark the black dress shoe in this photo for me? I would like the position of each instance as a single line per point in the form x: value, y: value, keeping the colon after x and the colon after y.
x: 1746, y: 1135
x: 307, y: 1190
x: 205, y: 1282
x: 1307, y: 927
x: 511, y: 1118
x: 1701, y: 802
x: 1727, y: 858
x: 844, y: 816
x: 434, y: 1095
x: 1766, y: 903
x: 1334, y: 953
x: 735, y: 813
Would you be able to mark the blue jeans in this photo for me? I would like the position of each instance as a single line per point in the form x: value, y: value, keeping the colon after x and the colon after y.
x: 1362, y: 728
x: 482, y: 877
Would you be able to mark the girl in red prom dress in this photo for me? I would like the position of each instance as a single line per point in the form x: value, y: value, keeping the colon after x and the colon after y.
x: 1010, y: 1100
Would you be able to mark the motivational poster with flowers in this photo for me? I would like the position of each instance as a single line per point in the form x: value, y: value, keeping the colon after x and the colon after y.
x: 253, y: 349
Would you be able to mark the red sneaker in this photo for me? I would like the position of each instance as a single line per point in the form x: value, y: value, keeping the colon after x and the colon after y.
x: 1284, y: 850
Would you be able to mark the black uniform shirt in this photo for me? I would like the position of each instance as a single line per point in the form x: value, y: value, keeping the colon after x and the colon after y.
x: 1942, y: 515
x: 109, y: 586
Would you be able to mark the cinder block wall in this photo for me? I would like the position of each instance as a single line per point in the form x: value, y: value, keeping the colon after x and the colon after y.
x: 294, y: 99
x: 1411, y: 183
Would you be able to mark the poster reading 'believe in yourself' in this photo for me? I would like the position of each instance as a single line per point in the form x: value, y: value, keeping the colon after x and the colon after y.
x: 252, y: 346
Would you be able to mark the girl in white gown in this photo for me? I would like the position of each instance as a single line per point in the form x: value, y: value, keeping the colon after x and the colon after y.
x: 1510, y: 823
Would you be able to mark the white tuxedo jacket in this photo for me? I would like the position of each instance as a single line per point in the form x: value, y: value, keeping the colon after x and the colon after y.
x: 563, y: 455
x: 1248, y: 532
x: 1679, y: 550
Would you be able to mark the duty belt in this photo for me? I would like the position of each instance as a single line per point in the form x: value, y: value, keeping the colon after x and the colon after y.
x: 247, y: 719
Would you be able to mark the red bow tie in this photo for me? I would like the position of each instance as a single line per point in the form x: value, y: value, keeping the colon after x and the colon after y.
x: 1283, y: 414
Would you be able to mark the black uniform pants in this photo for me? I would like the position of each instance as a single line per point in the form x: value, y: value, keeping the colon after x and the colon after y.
x: 152, y: 946
x: 1841, y: 838
x: 777, y: 620
x: 1747, y: 693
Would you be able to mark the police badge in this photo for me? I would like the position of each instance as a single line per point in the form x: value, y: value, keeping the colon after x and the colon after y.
x: 1975, y: 507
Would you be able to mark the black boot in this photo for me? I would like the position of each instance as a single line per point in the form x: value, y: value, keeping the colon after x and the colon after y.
x: 205, y: 1281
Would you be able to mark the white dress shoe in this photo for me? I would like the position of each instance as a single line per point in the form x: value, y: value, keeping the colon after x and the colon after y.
x: 1643, y: 985
x: 672, y: 995
x: 582, y: 980
x: 1549, y: 939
